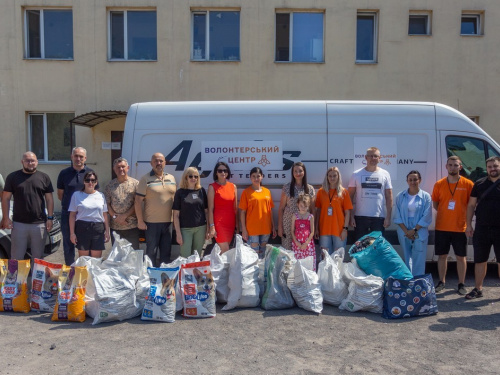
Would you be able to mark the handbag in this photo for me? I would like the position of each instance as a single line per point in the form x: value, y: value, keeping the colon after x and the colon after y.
x: 408, y: 298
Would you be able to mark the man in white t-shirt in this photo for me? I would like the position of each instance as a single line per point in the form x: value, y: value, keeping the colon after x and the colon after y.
x: 370, y: 189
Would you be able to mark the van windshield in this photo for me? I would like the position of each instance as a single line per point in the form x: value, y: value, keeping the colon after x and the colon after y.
x: 473, y: 153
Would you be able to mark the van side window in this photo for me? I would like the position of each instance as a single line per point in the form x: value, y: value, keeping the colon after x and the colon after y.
x: 492, y: 151
x: 472, y: 152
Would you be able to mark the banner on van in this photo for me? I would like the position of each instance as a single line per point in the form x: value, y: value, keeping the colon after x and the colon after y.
x: 388, y: 147
x: 243, y: 155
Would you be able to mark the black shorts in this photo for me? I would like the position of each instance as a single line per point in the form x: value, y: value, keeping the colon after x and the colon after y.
x: 484, y: 238
x: 89, y: 235
x: 446, y: 239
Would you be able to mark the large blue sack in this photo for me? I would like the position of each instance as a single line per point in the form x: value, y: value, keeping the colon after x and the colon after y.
x: 407, y: 298
x: 375, y: 256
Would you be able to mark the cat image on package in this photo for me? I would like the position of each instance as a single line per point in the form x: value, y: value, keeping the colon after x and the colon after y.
x: 13, y: 285
x: 70, y: 302
x: 160, y: 303
x: 198, y: 289
x: 44, y: 285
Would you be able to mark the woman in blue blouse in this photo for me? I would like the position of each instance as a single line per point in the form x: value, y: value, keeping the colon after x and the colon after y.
x: 413, y: 215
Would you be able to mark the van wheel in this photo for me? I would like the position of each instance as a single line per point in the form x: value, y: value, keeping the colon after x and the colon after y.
x: 5, y: 247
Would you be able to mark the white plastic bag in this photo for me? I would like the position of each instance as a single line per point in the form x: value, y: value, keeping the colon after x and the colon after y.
x: 278, y: 264
x: 365, y: 291
x: 303, y: 282
x: 330, y: 271
x: 243, y: 280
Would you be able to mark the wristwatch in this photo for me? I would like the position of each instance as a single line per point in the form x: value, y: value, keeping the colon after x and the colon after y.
x: 346, y: 228
x: 50, y: 217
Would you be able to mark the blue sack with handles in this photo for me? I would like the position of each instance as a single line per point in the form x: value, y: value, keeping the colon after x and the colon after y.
x: 375, y: 256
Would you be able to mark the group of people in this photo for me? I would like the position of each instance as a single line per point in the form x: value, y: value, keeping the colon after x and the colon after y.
x: 154, y: 202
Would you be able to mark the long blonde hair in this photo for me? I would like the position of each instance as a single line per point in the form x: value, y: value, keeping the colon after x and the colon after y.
x: 326, y: 184
x: 184, y: 179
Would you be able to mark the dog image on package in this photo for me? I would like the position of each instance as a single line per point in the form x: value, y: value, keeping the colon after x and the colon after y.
x: 198, y: 290
x: 44, y: 285
x: 70, y: 303
x: 13, y: 285
x: 160, y: 303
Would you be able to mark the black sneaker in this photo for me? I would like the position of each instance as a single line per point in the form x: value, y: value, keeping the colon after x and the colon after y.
x: 439, y: 287
x: 461, y: 289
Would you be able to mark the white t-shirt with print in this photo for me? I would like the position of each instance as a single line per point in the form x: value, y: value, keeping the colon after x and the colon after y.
x: 370, y: 191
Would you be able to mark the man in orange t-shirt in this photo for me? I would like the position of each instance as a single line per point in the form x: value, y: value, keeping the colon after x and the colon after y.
x: 450, y: 197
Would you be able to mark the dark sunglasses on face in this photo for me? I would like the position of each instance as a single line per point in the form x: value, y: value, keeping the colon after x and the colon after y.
x: 88, y: 180
x: 192, y: 176
x: 221, y: 170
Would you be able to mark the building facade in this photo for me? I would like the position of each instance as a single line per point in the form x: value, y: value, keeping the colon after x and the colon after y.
x: 60, y: 59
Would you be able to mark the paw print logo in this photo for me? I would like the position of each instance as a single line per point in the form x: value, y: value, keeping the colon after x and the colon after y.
x: 264, y: 161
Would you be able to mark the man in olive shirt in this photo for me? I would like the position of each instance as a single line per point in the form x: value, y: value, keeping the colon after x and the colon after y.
x: 120, y: 197
x: 156, y: 192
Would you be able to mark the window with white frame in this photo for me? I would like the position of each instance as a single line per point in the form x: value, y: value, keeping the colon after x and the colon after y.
x: 299, y: 37
x: 215, y: 35
x: 366, y: 37
x: 48, y: 34
x: 132, y: 35
x: 471, y: 24
x: 419, y: 24
x: 50, y: 135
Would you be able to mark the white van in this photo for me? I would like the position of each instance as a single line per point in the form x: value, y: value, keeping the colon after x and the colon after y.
x: 275, y: 134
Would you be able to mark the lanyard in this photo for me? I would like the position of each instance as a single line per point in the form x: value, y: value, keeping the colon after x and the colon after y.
x: 331, y: 197
x: 453, y: 192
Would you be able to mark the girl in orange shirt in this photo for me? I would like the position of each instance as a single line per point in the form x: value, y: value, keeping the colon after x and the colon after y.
x: 256, y: 215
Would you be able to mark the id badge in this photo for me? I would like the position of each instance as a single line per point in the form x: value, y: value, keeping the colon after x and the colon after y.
x: 330, y: 211
x: 451, y: 205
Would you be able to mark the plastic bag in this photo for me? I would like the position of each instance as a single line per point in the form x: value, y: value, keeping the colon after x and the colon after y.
x: 365, y: 291
x: 330, y: 271
x: 70, y: 305
x: 198, y: 290
x: 407, y: 298
x: 375, y: 256
x: 44, y: 285
x: 220, y: 271
x: 277, y: 266
x: 14, y: 285
x: 304, y: 284
x: 160, y: 305
x: 243, y: 280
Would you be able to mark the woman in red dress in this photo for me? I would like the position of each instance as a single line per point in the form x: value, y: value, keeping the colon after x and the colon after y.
x: 222, y: 208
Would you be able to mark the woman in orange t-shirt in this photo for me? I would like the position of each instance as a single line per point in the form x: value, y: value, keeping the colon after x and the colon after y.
x: 256, y: 204
x: 333, y: 206
x: 222, y: 208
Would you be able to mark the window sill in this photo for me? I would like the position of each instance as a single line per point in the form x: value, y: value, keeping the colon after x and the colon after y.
x: 45, y: 59
x: 299, y: 62
x: 417, y: 35
x: 472, y: 35
x: 366, y: 62
x: 58, y: 162
x: 215, y: 61
x: 123, y: 60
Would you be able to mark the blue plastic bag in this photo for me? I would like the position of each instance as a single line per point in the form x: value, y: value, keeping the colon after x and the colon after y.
x: 407, y: 298
x: 379, y: 258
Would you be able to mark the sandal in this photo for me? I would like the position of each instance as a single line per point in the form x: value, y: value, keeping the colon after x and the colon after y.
x: 474, y: 293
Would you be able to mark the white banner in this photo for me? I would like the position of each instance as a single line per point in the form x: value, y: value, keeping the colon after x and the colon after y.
x: 388, y: 147
x: 243, y: 155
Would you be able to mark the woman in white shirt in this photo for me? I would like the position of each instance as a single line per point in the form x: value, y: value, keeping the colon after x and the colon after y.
x: 88, y: 218
x: 413, y: 215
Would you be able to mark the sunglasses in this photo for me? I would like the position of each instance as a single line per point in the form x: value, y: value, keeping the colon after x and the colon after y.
x: 221, y: 170
x: 192, y: 176
x: 88, y: 180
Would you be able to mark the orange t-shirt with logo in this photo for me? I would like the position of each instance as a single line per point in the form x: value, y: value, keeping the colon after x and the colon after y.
x: 448, y: 219
x: 332, y: 225
x: 258, y: 206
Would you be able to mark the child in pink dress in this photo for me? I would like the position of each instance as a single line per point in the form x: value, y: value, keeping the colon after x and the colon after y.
x: 303, y: 230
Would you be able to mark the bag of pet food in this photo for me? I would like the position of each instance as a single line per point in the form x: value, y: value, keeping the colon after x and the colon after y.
x: 375, y: 256
x: 13, y: 285
x: 198, y: 290
x: 160, y: 304
x: 70, y: 304
x: 330, y: 271
x: 44, y: 285
x: 407, y: 298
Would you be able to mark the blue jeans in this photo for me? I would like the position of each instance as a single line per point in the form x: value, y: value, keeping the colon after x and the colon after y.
x: 259, y: 240
x: 69, y: 248
x: 158, y: 236
x: 331, y: 242
x: 415, y: 252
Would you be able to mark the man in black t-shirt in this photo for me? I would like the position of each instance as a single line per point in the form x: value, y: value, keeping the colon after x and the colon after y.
x: 485, y: 201
x: 32, y: 190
